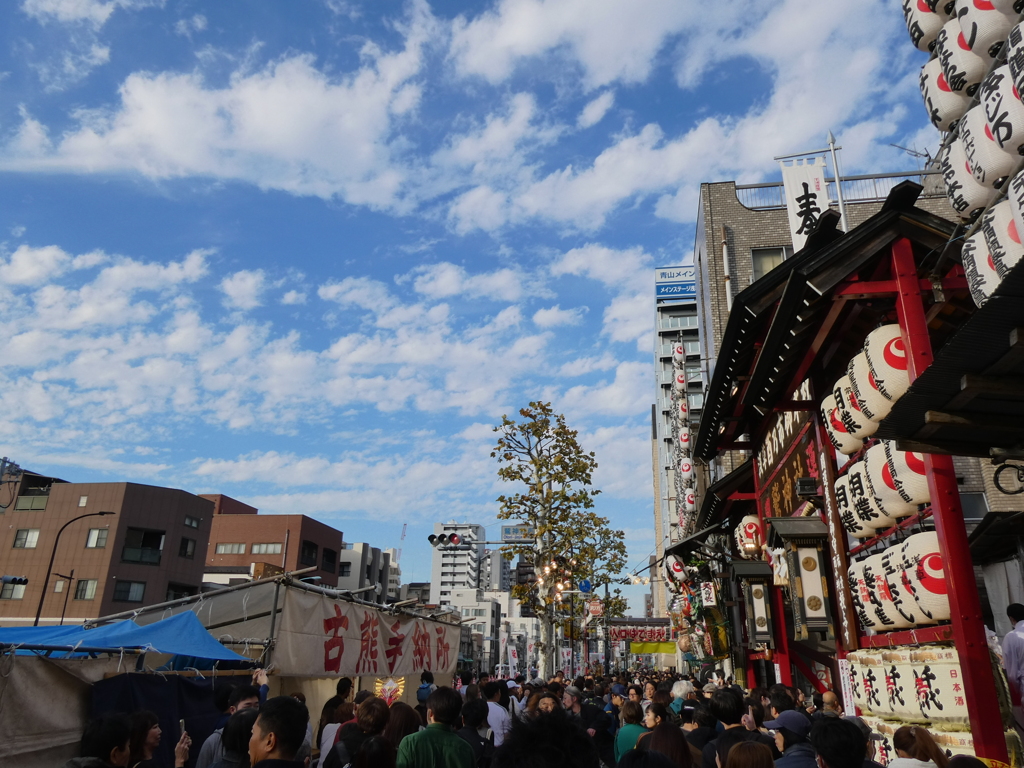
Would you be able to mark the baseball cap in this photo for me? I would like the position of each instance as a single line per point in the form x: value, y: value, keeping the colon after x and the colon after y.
x: 709, y: 688
x: 864, y: 728
x: 793, y: 721
x: 512, y: 684
x: 619, y: 690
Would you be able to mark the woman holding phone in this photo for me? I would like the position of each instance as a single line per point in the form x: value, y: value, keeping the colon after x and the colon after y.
x: 145, y: 739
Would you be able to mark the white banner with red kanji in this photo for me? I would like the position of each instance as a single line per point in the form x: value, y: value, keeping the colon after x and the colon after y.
x: 322, y: 637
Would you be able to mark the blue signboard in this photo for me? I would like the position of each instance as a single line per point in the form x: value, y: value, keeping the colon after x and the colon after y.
x: 675, y: 283
x: 585, y: 586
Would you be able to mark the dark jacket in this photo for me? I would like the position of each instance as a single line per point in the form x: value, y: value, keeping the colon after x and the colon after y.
x: 483, y: 749
x: 699, y: 737
x: 278, y: 764
x: 735, y: 736
x: 798, y: 756
x: 86, y: 762
x: 350, y: 739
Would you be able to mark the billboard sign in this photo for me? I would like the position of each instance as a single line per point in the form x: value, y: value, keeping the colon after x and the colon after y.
x: 675, y: 283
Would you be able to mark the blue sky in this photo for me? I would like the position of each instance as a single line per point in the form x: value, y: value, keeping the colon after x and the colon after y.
x: 306, y: 253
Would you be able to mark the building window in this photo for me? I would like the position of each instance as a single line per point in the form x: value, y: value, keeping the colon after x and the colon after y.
x: 97, y: 538
x: 346, y: 570
x: 26, y: 538
x: 83, y: 500
x: 329, y: 561
x: 31, y: 502
x: 191, y: 522
x: 177, y: 591
x: 975, y: 505
x: 187, y: 548
x: 231, y: 549
x: 266, y: 549
x: 767, y: 259
x: 308, y: 552
x: 85, y: 589
x: 129, y: 591
x: 142, y: 546
x: 12, y: 592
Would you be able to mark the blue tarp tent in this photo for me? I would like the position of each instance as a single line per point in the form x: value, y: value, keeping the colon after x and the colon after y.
x: 181, y: 635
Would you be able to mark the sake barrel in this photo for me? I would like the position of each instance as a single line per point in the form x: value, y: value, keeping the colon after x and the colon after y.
x: 884, y: 707
x: 1002, y: 237
x: 898, y: 678
x: 887, y: 361
x: 888, y: 499
x: 926, y: 575
x: 870, y: 400
x: 864, y: 504
x: 847, y: 514
x: 983, y: 27
x: 966, y: 195
x: 989, y: 163
x: 841, y: 439
x: 939, y: 685
x: 887, y: 617
x: 964, y: 68
x: 905, y: 473
x: 884, y: 751
x: 923, y: 23
x: 902, y: 598
x: 979, y: 268
x: 956, y: 742
x: 1004, y: 112
x: 853, y: 418
x: 944, y: 105
x: 853, y: 677
x: 872, y: 681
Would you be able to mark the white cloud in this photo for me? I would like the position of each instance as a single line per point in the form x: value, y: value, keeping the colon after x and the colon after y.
x: 293, y: 297
x: 443, y: 280
x: 30, y: 266
x: 361, y: 292
x: 17, y: 231
x: 93, y: 12
x: 186, y: 27
x: 629, y: 394
x: 552, y: 317
x: 595, y: 110
x: 243, y: 289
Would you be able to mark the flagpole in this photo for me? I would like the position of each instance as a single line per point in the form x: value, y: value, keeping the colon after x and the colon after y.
x: 839, y: 186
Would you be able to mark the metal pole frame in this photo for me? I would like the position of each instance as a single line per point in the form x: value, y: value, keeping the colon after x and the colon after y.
x: 53, y: 555
x: 968, y: 627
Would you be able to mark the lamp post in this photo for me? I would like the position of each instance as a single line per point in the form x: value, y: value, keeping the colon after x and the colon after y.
x: 53, y: 554
x: 67, y: 592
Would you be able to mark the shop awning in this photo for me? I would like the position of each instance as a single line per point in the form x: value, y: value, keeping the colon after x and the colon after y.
x: 180, y: 635
x: 684, y: 547
x: 998, y: 537
x: 787, y: 325
x: 970, y: 400
x: 735, y: 487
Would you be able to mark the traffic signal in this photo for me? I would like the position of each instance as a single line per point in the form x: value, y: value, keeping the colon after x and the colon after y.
x: 18, y: 580
x: 444, y: 539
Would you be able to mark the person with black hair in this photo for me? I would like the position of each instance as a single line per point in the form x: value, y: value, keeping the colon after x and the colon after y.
x: 105, y: 743
x: 426, y: 686
x: 664, y: 736
x: 497, y: 716
x: 242, y: 697
x: 371, y: 719
x: 637, y: 759
x: 702, y: 727
x: 870, y: 737
x: 437, y: 745
x: 727, y: 707
x: 749, y: 755
x: 376, y: 752
x: 780, y: 702
x: 476, y: 732
x: 549, y: 741
x: 278, y: 733
x: 838, y: 743
x: 916, y: 748
x: 236, y: 739
x: 791, y: 730
x: 631, y: 731
x: 146, y: 734
x: 343, y: 689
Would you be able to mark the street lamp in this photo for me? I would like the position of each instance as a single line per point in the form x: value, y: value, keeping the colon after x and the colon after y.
x: 53, y: 554
x: 67, y: 592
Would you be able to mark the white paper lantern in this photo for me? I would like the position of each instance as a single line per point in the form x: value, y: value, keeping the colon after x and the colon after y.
x: 926, y: 575
x: 905, y: 473
x: 990, y: 164
x: 682, y: 410
x: 853, y: 418
x: 1004, y: 112
x: 887, y: 361
x: 944, y: 105
x: 847, y: 514
x: 683, y: 439
x: 690, y: 500
x: 1015, y: 57
x: 749, y: 537
x: 686, y: 470
x: 676, y: 569
x: 872, y: 403
x: 888, y: 500
x: 860, y: 595
x: 923, y: 24
x: 679, y: 381
x: 679, y: 355
x: 841, y: 439
x: 983, y: 27
x: 979, y: 268
x: 963, y: 67
x: 965, y: 194
x: 1011, y: 9
x: 999, y: 227
x: 882, y: 606
x: 863, y: 500
x: 902, y: 597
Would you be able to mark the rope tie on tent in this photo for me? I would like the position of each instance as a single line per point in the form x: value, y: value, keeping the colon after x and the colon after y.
x: 196, y: 670
x: 120, y: 660
x: 245, y: 606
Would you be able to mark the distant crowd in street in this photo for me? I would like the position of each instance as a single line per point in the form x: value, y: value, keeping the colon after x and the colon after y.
x: 641, y: 719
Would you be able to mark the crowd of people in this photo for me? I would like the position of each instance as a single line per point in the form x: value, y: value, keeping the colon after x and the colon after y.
x: 651, y: 720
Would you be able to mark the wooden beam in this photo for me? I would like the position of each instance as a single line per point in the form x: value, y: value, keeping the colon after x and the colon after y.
x: 956, y: 448
x: 1000, y: 423
x: 866, y: 289
x: 1014, y: 357
x: 972, y: 386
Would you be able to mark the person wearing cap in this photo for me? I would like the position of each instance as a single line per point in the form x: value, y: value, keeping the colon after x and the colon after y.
x: 616, y: 699
x: 515, y: 706
x: 791, y: 730
x: 870, y: 737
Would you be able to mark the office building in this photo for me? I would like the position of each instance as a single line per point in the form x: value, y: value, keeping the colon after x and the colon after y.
x: 457, y: 568
x: 365, y: 568
x: 394, y: 574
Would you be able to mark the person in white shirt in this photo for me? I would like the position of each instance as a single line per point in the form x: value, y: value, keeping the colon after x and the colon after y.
x: 498, y: 717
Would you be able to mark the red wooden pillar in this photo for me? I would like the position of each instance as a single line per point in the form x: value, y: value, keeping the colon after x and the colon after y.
x: 968, y: 628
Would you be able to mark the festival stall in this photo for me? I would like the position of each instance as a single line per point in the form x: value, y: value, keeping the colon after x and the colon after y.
x: 854, y: 569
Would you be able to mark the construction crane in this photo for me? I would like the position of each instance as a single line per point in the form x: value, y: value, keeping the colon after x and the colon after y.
x: 397, y: 558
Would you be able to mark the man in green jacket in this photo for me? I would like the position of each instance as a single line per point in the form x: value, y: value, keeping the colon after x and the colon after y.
x: 437, y: 746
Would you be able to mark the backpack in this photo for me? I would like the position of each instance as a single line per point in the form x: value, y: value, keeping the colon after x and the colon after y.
x: 424, y: 691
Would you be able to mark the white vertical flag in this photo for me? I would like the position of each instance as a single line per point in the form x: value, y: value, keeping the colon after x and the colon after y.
x: 513, y: 661
x: 803, y: 181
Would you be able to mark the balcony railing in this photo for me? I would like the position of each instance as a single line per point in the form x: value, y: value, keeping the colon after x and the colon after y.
x: 144, y: 555
x: 856, y: 189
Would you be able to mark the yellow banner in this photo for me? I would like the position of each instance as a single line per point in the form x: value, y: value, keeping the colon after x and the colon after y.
x: 652, y: 647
